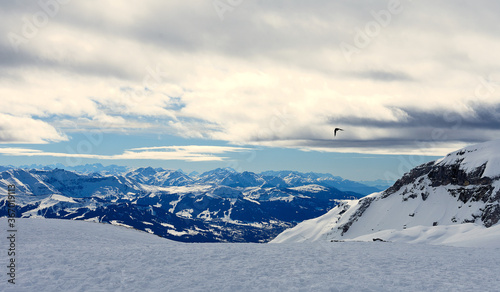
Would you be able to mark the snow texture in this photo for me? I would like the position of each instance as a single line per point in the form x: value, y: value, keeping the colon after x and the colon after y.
x: 64, y: 255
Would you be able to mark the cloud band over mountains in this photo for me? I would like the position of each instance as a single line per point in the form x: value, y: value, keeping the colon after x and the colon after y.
x: 187, y: 153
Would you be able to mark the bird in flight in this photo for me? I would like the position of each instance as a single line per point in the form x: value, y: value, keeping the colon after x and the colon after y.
x: 335, y: 131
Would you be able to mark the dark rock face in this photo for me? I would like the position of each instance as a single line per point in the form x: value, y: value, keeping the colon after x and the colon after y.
x: 408, y: 178
x: 444, y: 175
x: 491, y: 215
x: 441, y: 175
x: 467, y: 186
x: 474, y: 193
x: 364, y: 204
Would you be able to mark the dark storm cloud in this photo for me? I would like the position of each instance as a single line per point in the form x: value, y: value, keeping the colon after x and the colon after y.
x: 486, y: 116
x: 478, y: 116
x: 438, y: 126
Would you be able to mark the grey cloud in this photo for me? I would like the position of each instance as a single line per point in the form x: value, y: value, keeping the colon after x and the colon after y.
x: 478, y: 116
x: 396, y: 145
x: 243, y: 33
x: 304, y: 29
x: 385, y: 76
x: 9, y: 58
x: 431, y: 127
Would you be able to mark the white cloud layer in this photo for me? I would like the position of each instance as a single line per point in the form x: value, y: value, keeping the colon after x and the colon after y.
x: 262, y: 73
x: 15, y: 129
x: 186, y: 153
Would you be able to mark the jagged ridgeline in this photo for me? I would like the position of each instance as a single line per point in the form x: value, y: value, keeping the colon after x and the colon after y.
x: 217, y: 206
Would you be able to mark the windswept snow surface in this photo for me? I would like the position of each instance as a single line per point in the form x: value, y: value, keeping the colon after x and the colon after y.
x: 64, y: 255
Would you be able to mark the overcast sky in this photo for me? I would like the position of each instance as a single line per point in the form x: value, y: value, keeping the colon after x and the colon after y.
x: 207, y: 80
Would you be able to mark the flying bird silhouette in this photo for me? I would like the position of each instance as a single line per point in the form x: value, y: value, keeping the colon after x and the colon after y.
x: 336, y: 130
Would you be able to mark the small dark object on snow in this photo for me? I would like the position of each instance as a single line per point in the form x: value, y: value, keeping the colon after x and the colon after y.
x: 379, y: 239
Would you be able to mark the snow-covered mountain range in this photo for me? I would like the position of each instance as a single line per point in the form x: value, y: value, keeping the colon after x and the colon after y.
x: 453, y: 199
x: 227, y: 176
x: 218, y: 205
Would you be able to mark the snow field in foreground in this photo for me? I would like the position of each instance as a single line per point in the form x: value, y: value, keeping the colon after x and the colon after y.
x: 59, y: 255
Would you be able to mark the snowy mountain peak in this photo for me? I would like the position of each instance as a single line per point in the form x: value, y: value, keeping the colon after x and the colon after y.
x: 219, y: 171
x: 147, y: 170
x: 484, y: 157
x: 461, y: 188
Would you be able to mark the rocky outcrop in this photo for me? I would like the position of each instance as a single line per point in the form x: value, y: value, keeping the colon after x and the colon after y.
x: 467, y: 185
x: 363, y: 205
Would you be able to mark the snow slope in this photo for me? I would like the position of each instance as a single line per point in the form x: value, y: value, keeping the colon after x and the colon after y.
x: 448, y: 201
x: 63, y: 255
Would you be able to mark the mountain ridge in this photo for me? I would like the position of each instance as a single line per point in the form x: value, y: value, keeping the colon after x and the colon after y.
x: 461, y: 188
x: 221, y: 205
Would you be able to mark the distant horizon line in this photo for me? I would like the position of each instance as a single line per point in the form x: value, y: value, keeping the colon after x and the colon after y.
x: 131, y: 168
